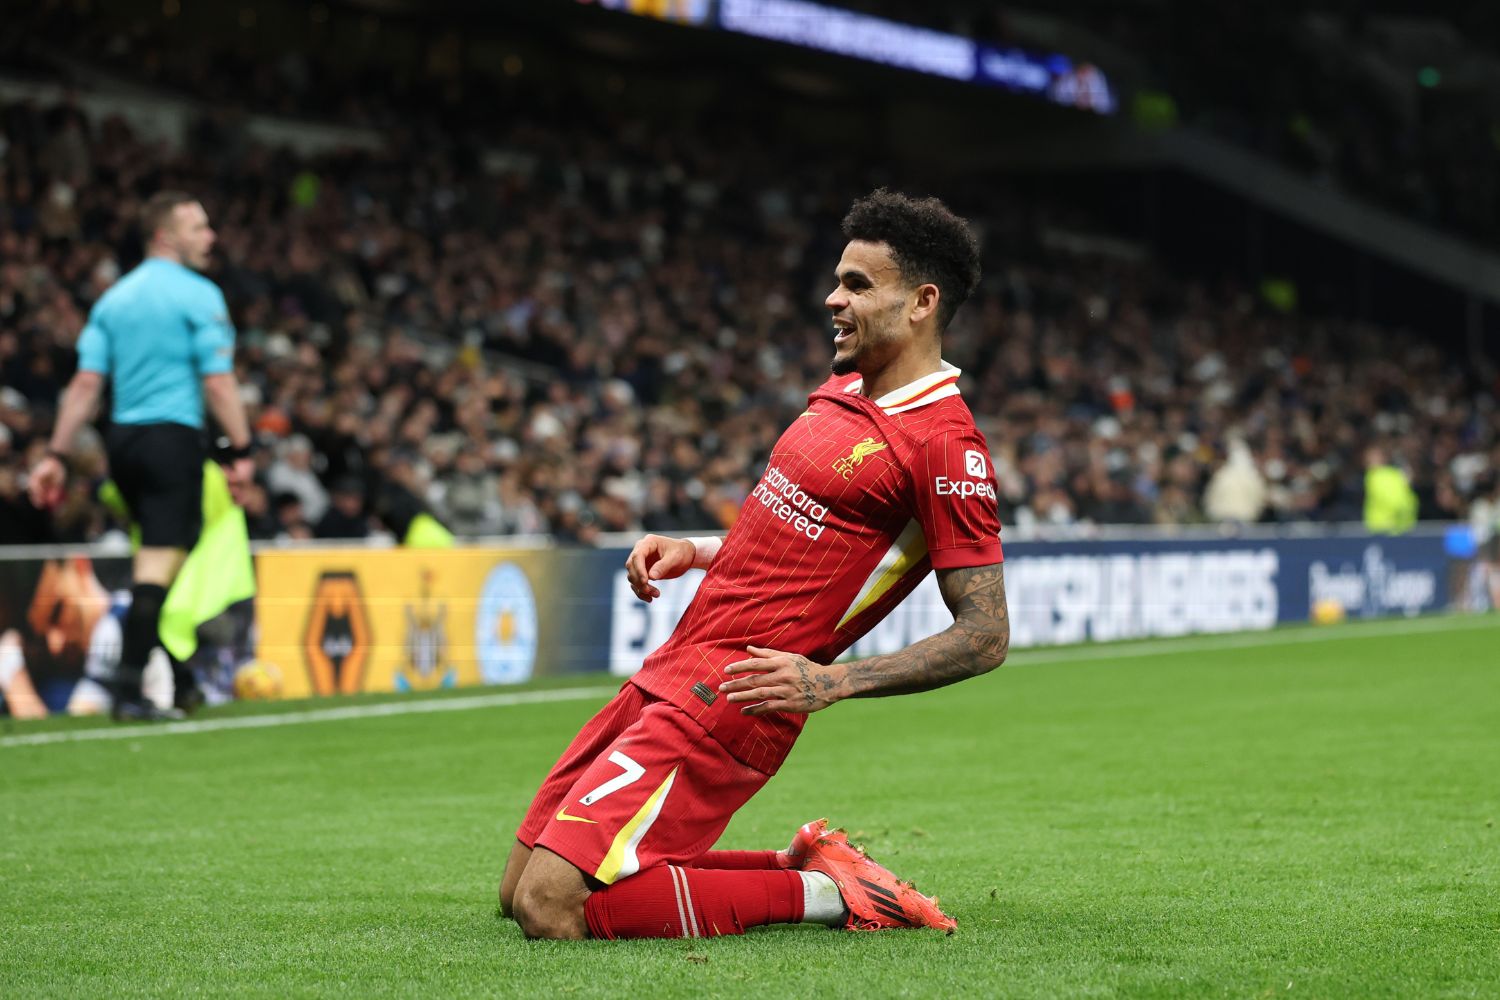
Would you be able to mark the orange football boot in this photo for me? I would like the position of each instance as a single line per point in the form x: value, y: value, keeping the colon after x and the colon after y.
x: 803, y: 839
x: 875, y: 897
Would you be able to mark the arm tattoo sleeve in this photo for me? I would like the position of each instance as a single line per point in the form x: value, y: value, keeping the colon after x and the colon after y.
x: 976, y: 642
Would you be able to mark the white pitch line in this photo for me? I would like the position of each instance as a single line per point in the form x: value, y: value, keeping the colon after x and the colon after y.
x: 1034, y: 656
x: 316, y: 715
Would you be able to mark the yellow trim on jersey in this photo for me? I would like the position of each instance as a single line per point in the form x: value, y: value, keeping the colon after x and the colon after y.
x: 621, y: 860
x: 904, y: 554
x: 940, y: 385
x: 918, y: 395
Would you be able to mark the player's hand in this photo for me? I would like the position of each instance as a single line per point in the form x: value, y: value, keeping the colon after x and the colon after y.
x: 45, y: 484
x: 239, y: 473
x: 657, y: 557
x: 773, y: 681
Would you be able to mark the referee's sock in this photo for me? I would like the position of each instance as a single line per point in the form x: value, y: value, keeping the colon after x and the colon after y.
x: 139, y: 637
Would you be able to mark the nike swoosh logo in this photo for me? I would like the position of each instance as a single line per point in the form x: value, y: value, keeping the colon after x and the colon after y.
x: 563, y: 817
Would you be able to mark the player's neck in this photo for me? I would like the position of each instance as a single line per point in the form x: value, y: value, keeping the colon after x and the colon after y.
x: 165, y: 253
x: 904, y: 369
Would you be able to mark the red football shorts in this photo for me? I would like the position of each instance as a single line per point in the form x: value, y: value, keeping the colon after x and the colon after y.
x: 641, y: 785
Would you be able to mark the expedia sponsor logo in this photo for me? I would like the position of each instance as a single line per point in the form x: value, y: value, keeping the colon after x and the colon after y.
x: 788, y: 501
x: 862, y: 450
x: 337, y: 640
x: 963, y: 488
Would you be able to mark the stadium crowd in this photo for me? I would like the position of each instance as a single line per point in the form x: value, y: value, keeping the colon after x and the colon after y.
x: 585, y: 328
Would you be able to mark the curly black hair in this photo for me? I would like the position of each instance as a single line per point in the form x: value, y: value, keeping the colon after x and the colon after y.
x: 928, y: 242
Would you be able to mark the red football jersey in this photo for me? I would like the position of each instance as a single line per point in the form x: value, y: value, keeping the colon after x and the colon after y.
x: 859, y: 500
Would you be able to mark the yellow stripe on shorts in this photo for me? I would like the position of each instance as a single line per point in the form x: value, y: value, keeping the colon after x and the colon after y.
x: 621, y: 860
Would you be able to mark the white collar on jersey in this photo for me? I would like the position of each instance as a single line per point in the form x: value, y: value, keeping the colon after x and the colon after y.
x: 928, y: 389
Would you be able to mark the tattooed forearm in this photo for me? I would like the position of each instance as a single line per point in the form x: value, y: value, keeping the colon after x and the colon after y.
x: 977, y: 641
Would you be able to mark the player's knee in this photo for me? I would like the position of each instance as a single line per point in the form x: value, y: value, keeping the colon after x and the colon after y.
x: 508, y: 893
x: 515, y: 867
x: 547, y: 915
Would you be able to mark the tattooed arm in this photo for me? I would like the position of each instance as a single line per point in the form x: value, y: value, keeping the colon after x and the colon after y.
x: 976, y: 642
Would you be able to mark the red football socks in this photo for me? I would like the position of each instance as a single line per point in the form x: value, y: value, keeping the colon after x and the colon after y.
x: 670, y: 902
x: 740, y: 861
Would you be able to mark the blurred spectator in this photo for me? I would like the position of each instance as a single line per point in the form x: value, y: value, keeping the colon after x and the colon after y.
x: 1484, y: 515
x: 1390, y: 503
x: 1236, y: 493
x: 20, y: 523
x: 1484, y: 522
x: 468, y: 496
x: 292, y: 472
x: 345, y: 517
x: 260, y: 520
x: 519, y: 514
x: 291, y: 520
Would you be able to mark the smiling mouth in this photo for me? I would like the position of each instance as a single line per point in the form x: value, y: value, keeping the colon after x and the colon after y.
x: 841, y: 334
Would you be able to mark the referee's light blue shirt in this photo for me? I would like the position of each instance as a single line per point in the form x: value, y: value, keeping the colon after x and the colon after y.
x: 155, y: 334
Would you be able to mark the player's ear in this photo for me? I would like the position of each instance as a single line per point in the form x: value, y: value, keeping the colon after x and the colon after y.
x: 925, y: 302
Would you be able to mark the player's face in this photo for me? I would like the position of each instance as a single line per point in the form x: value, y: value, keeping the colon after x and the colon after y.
x: 869, y: 307
x: 69, y: 601
x: 190, y: 235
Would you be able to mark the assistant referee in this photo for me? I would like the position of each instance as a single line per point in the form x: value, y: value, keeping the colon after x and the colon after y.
x: 162, y: 336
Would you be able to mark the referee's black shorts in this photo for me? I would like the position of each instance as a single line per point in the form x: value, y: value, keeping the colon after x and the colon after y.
x: 159, y: 470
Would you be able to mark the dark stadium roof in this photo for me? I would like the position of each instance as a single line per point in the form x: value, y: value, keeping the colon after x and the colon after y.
x: 1479, y: 19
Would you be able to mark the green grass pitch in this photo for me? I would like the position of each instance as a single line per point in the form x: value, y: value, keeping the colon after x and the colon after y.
x: 1309, y: 813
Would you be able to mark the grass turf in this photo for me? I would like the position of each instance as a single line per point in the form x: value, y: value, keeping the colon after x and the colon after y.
x: 1281, y: 819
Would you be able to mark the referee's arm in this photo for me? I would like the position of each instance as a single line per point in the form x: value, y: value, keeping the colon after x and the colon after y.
x: 221, y: 393
x: 213, y: 348
x: 79, y: 401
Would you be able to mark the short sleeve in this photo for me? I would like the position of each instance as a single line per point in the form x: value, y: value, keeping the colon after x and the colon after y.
x: 955, y: 499
x: 93, y: 347
x: 213, y: 335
